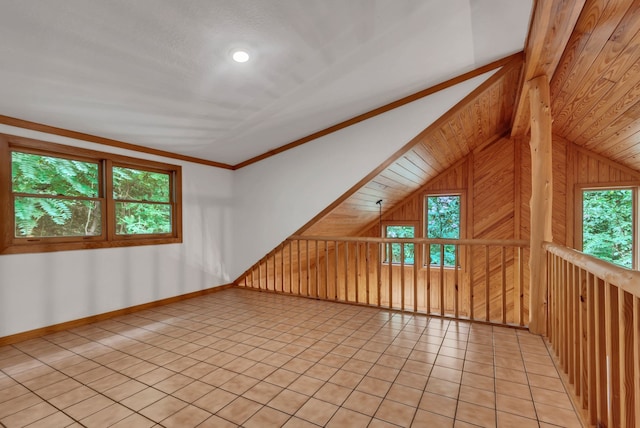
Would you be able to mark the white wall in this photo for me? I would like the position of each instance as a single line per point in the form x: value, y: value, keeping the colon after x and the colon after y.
x: 230, y: 220
x: 277, y: 196
x: 38, y: 290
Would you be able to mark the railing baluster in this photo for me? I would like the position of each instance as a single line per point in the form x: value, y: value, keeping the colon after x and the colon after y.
x: 456, y: 309
x: 428, y: 293
x: 441, y: 280
x: 326, y: 269
x: 390, y: 260
x: 346, y: 271
x: 591, y: 350
x: 470, y: 267
x: 367, y: 256
x: 415, y: 280
x: 520, y: 283
x: 379, y: 272
x: 487, y: 286
x: 503, y: 283
x: 402, y: 277
x: 290, y: 267
x: 308, y: 276
x: 336, y: 274
x: 316, y: 286
x: 357, y: 271
x: 635, y: 326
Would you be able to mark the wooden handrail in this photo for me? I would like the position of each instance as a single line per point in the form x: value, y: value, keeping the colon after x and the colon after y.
x: 627, y: 279
x: 359, y: 270
x: 480, y: 242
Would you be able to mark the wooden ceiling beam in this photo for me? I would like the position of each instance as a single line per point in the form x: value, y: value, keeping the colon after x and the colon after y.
x: 551, y: 26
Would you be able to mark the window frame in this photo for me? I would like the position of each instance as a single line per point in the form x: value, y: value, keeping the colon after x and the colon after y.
x: 425, y: 215
x: 635, y: 198
x: 401, y: 223
x: 10, y: 244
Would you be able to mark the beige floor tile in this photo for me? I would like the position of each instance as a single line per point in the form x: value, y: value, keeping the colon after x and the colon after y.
x: 88, y: 407
x: 363, y: 403
x: 288, y: 401
x: 29, y: 415
x: 477, y: 415
x: 239, y: 384
x: 187, y: 417
x: 144, y: 398
x: 478, y: 381
x: 239, y: 410
x: 236, y: 351
x: 267, y: 417
x: 552, y: 398
x: 321, y: 372
x: 163, y: 408
x: 443, y: 387
x: 438, y: 404
x: 346, y: 378
x: 425, y: 419
x: 316, y: 411
x: 481, y: 397
x: 295, y: 422
x: 345, y: 418
x: 513, y: 389
x: 404, y: 394
x: 509, y: 420
x: 57, y: 419
x: 306, y: 385
x: 395, y: 413
x: 282, y: 377
x: 332, y: 393
x: 135, y: 420
x: 374, y: 386
x: 107, y: 416
x: 262, y: 392
x: 518, y: 406
x: 557, y: 416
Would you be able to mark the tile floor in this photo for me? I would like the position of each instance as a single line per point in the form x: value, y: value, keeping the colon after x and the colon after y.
x: 243, y: 358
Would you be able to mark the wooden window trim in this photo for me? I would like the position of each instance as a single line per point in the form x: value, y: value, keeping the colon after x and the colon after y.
x: 578, y: 209
x: 463, y: 206
x: 108, y: 239
x: 416, y: 232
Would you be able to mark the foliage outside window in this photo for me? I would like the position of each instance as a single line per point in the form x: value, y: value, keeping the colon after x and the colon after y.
x: 396, y: 250
x: 61, y: 198
x: 442, y: 222
x: 55, y: 197
x: 607, y: 225
x: 142, y: 199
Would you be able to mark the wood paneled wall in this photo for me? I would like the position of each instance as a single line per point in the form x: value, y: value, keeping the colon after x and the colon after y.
x: 495, y: 183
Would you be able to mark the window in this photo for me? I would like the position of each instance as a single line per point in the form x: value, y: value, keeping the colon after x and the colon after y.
x: 608, y: 226
x: 400, y: 231
x: 442, y: 221
x: 55, y: 197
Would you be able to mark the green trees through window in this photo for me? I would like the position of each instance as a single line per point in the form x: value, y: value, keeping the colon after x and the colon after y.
x: 607, y: 225
x: 142, y: 201
x: 443, y: 222
x: 55, y: 197
x: 396, y: 250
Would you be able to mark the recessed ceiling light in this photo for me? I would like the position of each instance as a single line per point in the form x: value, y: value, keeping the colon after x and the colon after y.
x: 240, y: 56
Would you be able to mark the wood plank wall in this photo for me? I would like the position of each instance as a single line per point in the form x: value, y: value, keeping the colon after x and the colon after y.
x: 495, y: 183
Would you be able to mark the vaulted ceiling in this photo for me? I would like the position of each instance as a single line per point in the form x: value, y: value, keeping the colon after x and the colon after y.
x: 590, y: 52
x: 158, y: 73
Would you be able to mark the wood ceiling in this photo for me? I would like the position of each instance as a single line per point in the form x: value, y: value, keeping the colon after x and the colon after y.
x: 591, y: 52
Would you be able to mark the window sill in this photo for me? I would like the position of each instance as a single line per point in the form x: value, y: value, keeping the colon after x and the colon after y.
x: 87, y: 245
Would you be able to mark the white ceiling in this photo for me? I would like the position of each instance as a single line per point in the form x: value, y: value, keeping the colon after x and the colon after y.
x: 157, y: 73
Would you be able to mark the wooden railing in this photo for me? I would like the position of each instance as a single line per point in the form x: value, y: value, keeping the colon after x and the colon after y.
x: 488, y: 282
x: 594, y: 328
